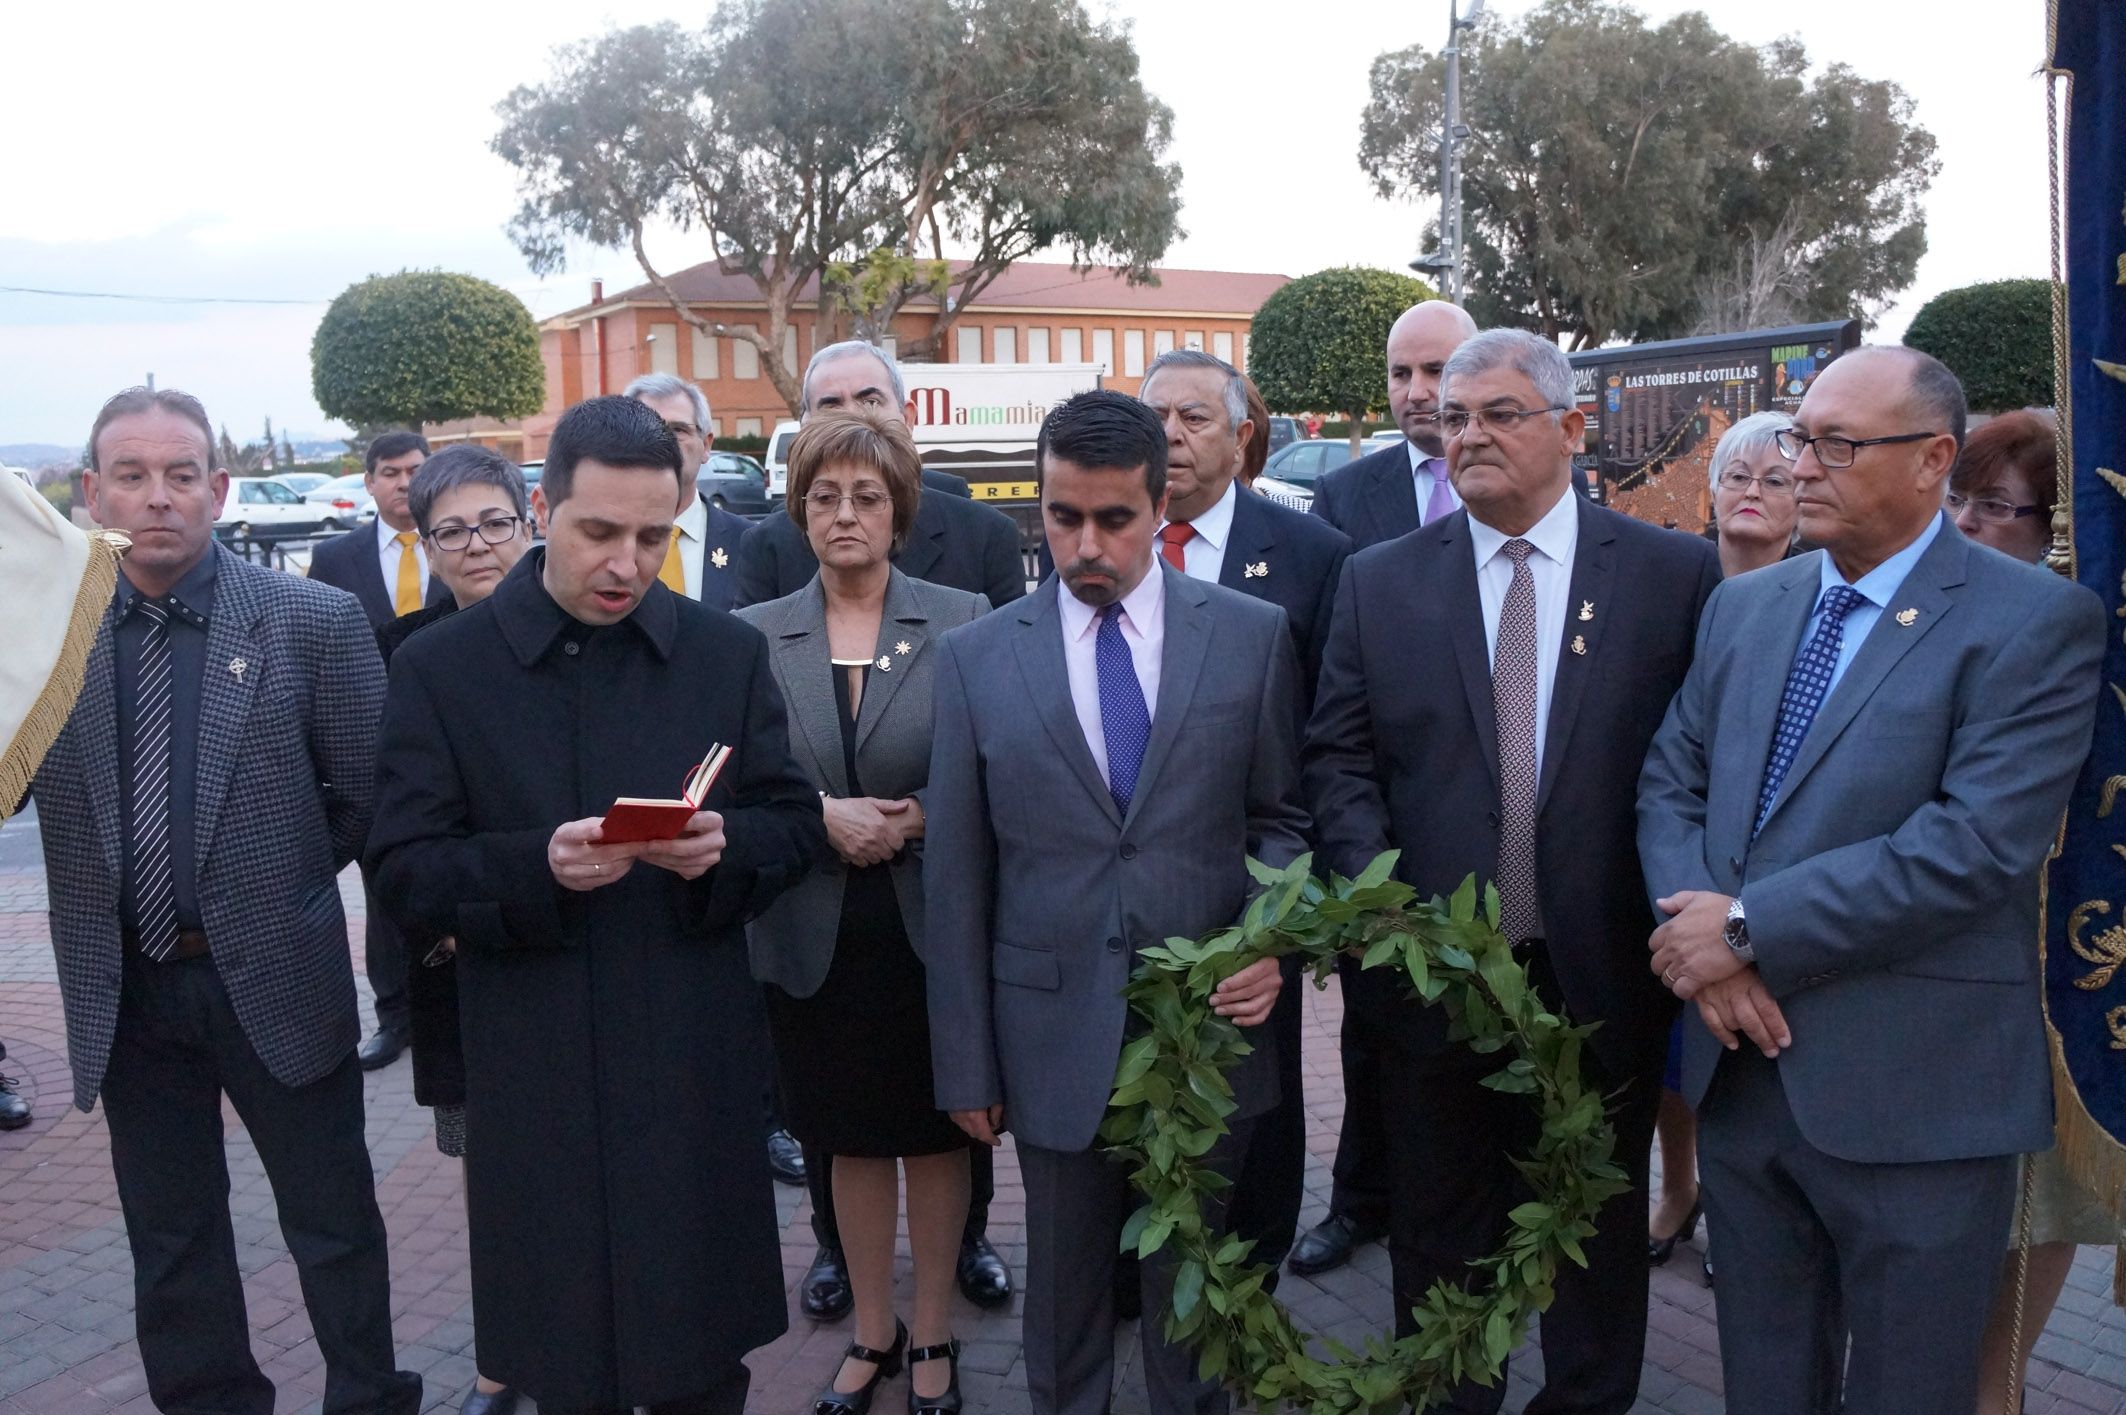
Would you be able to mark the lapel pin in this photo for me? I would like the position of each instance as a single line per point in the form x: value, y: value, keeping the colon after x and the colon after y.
x: 885, y: 663
x: 1256, y: 571
x: 1579, y: 644
x: 1586, y: 610
x: 903, y: 647
x: 718, y: 558
x: 237, y: 667
x: 1907, y: 617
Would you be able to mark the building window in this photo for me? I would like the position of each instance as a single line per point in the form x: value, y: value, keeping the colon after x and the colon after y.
x: 789, y: 351
x: 1243, y: 364
x: 664, y: 349
x: 1037, y: 346
x: 891, y: 346
x: 748, y: 427
x: 1104, y: 350
x: 1073, y: 346
x: 1004, y: 344
x: 1222, y: 346
x: 967, y: 345
x: 1193, y: 339
x: 1162, y: 342
x: 745, y: 359
x: 704, y: 356
x: 1133, y: 353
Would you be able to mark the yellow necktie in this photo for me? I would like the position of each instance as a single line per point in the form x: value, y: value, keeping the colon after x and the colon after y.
x: 673, y: 574
x: 408, y: 597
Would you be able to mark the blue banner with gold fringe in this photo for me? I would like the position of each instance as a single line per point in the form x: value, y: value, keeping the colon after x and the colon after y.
x: 2085, y: 924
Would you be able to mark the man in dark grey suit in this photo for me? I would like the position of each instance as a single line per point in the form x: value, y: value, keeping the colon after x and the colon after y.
x: 1108, y: 751
x: 213, y: 779
x: 1843, y: 819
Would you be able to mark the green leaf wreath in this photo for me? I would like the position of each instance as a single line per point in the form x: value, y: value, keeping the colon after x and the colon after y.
x: 1172, y: 1098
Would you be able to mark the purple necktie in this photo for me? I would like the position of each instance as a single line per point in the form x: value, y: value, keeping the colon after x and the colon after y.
x: 1441, y: 502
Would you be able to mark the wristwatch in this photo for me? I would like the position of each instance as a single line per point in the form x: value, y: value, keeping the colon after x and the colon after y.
x: 1737, y: 933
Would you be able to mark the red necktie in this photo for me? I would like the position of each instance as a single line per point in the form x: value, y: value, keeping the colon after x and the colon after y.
x: 1172, y: 536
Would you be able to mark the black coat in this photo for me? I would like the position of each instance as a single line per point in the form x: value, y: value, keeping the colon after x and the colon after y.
x: 1402, y: 753
x: 954, y: 541
x: 348, y: 561
x: 1301, y: 561
x: 1372, y: 499
x: 623, y: 1233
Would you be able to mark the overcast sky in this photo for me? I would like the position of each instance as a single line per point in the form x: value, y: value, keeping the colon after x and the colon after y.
x: 241, y: 151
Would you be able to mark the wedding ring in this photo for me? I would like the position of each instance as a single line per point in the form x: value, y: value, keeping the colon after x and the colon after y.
x: 1668, y: 978
x: 597, y: 869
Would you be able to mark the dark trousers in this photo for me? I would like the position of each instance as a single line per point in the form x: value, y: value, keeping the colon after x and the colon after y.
x: 179, y: 1049
x: 1883, y: 1272
x: 1076, y: 1205
x: 1361, y: 1179
x: 1451, y: 1153
x: 819, y: 1179
x: 728, y: 1397
x: 1273, y: 1173
x: 385, y: 949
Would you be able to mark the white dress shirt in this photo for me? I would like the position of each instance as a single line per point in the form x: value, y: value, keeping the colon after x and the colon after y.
x: 388, y: 552
x: 693, y: 524
x: 1203, y: 554
x: 1143, y: 629
x: 1555, y: 538
x: 1424, y: 472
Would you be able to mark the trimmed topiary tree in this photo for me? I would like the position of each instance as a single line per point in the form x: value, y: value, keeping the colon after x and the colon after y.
x: 425, y: 346
x: 1996, y: 337
x: 1321, y: 341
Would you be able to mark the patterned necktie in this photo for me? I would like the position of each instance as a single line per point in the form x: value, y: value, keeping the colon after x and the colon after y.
x: 408, y: 597
x: 1513, y: 694
x: 154, y: 887
x: 1806, y: 684
x: 673, y: 574
x: 1441, y: 501
x: 1125, y: 722
x: 1172, y: 537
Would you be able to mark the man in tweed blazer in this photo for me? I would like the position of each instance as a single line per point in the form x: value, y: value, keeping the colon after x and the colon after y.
x: 212, y: 781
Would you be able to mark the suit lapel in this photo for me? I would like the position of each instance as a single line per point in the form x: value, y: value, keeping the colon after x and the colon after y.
x: 97, y: 713
x: 225, y: 693
x: 801, y: 663
x: 1391, y: 494
x: 1455, y: 592
x: 1248, y: 541
x: 1787, y: 619
x: 926, y: 538
x: 718, y: 582
x: 1187, y: 644
x: 900, y: 625
x: 369, y: 570
x: 1592, y: 563
x: 1039, y: 648
x: 1940, y: 569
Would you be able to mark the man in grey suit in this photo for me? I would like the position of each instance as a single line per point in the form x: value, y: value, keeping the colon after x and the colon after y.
x: 213, y: 779
x: 1108, y: 752
x: 1843, y: 819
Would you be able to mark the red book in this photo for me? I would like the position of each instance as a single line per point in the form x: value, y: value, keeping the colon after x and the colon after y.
x: 633, y: 818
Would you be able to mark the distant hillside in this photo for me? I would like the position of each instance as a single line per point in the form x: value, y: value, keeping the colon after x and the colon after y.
x: 37, y: 455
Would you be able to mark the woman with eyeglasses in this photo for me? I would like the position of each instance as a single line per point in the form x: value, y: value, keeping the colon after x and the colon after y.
x: 2001, y: 489
x: 469, y: 504
x: 841, y: 952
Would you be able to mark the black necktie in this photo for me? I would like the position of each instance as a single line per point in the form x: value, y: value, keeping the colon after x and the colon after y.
x: 154, y: 888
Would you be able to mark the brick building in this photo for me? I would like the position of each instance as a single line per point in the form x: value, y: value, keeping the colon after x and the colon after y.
x: 1034, y: 313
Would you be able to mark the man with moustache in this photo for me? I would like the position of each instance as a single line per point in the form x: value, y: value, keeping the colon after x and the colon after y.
x: 622, y: 1226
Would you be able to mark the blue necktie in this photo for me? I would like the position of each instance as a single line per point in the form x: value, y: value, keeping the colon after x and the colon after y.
x: 1806, y: 684
x: 1125, y: 723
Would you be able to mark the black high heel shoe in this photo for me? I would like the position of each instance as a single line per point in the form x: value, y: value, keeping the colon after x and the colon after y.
x: 1659, y: 1250
x: 885, y: 1366
x: 949, y: 1402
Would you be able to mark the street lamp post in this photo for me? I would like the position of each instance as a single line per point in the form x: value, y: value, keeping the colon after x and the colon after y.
x: 1447, y: 262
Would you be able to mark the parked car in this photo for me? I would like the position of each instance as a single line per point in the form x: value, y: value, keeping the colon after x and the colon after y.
x: 778, y: 459
x: 1284, y: 431
x: 735, y: 482
x: 264, y: 506
x: 1298, y: 466
x: 531, y: 472
x: 343, y: 503
x: 302, y: 483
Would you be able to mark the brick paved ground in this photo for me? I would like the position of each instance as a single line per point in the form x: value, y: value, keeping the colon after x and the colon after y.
x: 66, y: 1326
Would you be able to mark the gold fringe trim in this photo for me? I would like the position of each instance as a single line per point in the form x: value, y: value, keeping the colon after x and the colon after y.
x: 99, y: 577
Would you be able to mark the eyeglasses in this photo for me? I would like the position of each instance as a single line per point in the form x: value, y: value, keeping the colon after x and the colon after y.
x: 1835, y: 453
x: 829, y: 503
x: 1988, y: 509
x: 1772, y: 483
x: 494, y: 530
x: 1455, y: 421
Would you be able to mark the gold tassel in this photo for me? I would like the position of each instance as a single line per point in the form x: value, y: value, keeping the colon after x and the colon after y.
x: 99, y: 577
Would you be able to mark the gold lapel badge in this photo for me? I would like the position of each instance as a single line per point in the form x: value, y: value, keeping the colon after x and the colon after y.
x: 1256, y: 571
x: 885, y: 663
x: 1907, y: 617
x: 1579, y: 644
x: 718, y: 558
x: 237, y: 667
x: 903, y: 647
x: 1586, y: 610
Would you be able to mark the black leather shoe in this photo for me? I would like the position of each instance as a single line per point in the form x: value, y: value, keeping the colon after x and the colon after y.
x: 984, y: 1280
x: 498, y: 1402
x: 949, y: 1402
x: 786, y: 1158
x: 824, y: 1294
x: 1660, y: 1250
x: 381, y: 1049
x: 1330, y: 1243
x: 885, y: 1366
x: 14, y: 1111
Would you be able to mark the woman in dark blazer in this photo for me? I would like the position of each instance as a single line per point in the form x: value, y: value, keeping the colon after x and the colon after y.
x: 841, y: 951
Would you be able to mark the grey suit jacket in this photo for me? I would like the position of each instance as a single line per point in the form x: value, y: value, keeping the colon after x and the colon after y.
x: 792, y: 944
x: 287, y: 756
x: 1892, y: 895
x: 1039, y: 894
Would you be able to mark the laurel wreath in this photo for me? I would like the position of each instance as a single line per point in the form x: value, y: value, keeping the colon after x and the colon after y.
x: 1171, y: 1100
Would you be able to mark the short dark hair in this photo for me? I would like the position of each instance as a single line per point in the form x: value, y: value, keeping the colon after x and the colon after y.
x: 392, y: 444
x: 1258, y: 450
x: 465, y: 464
x: 2025, y: 441
x: 1936, y: 392
x: 612, y: 429
x: 128, y: 401
x: 1105, y: 429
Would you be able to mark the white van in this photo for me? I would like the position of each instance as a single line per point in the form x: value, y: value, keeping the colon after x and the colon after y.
x: 777, y: 459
